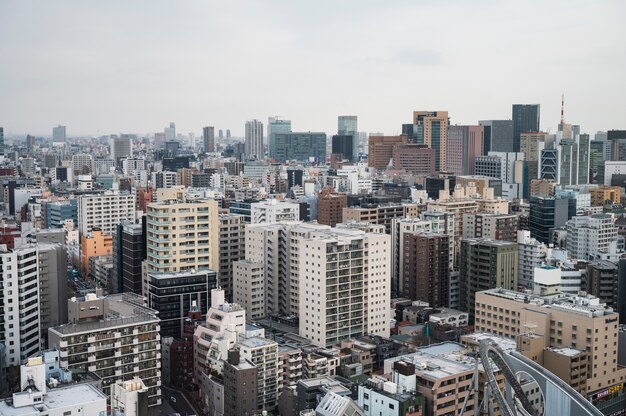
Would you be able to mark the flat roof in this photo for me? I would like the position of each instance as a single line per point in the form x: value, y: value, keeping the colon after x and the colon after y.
x: 58, y: 398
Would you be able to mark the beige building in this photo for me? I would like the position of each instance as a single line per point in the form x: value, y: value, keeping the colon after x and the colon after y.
x: 249, y: 283
x: 572, y: 328
x: 380, y: 214
x: 602, y: 194
x: 530, y: 145
x: 434, y: 125
x: 182, y: 236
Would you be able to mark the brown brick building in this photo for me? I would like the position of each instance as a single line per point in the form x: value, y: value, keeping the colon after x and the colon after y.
x: 330, y: 205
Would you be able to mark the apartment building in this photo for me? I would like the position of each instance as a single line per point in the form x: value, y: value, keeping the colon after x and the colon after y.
x: 182, y: 236
x: 115, y: 337
x: 345, y: 285
x: 580, y: 323
x: 250, y: 291
x: 232, y: 248
x: 604, y: 194
x: 263, y: 353
x: 20, y: 323
x: 52, y: 263
x: 588, y: 236
x: 105, y: 211
x: 272, y: 211
x: 382, y: 214
x: 426, y: 268
x: 492, y: 226
x: 532, y: 253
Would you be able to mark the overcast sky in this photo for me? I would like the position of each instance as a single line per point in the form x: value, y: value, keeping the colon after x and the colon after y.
x: 104, y: 67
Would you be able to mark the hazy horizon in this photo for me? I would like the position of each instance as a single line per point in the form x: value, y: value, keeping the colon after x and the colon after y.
x: 114, y: 67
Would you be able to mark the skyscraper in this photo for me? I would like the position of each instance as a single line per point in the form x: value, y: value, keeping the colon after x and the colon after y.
x: 525, y: 119
x: 228, y: 133
x: 221, y: 134
x: 254, y: 140
x: 58, y: 135
x: 432, y: 130
x: 464, y: 143
x: 208, y: 137
x: 347, y: 126
x: 170, y: 132
x: 121, y: 148
x: 300, y: 146
x: 1, y: 141
x: 275, y: 125
x: 343, y: 144
x: 498, y: 136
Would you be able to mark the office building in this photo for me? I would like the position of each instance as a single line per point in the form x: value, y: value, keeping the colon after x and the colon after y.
x: 58, y: 135
x: 303, y: 147
x: 380, y: 214
x: 380, y: 150
x: 95, y: 243
x: 58, y: 212
x: 432, y: 130
x: 254, y: 140
x: 276, y: 125
x: 464, y: 144
x: 116, y: 337
x: 547, y: 213
x: 574, y: 160
x: 417, y: 159
x: 52, y: 263
x: 105, y: 211
x: 232, y: 248
x: 348, y: 126
x: 173, y: 295
x: 169, y: 133
x: 20, y: 326
x: 343, y: 145
x: 605, y: 194
x: 164, y: 179
x: 617, y: 142
x: 549, y: 165
x: 129, y: 246
x: 208, y: 139
x: 426, y: 268
x: 589, y: 236
x: 196, y: 236
x: 121, y: 148
x: 498, y: 136
x: 486, y: 264
x: 82, y: 164
x: 338, y: 257
x: 330, y: 205
x: 602, y: 281
x: 572, y: 323
x: 526, y: 118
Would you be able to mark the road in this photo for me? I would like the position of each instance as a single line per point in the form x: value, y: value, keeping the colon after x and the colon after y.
x: 180, y: 405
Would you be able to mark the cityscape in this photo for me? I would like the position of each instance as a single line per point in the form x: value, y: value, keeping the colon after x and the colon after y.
x: 453, y: 263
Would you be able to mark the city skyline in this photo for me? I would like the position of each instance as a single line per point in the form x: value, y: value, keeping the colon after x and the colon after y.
x: 105, y: 69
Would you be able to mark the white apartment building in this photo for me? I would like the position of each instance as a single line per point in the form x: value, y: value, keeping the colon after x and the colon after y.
x: 345, y: 279
x: 532, y: 253
x: 116, y: 337
x: 249, y: 288
x: 105, y: 211
x: 20, y: 295
x: 164, y: 179
x: 588, y: 236
x: 272, y: 211
x: 81, y: 161
x: 130, y: 165
x: 127, y: 397
x: 102, y: 166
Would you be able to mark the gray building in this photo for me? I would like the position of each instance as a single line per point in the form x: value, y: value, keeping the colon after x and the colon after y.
x: 525, y: 119
x: 498, y: 136
x: 301, y: 147
x: 53, y: 295
x: 254, y: 148
x: 232, y: 248
x: 208, y: 139
x: 276, y: 125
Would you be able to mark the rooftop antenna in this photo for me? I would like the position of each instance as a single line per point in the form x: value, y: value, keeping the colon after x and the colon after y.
x: 562, y: 109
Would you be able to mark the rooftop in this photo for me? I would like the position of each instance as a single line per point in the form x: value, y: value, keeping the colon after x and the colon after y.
x: 58, y: 398
x: 256, y: 342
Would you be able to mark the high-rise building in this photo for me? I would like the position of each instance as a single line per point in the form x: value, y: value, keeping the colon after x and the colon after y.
x: 587, y: 237
x: 486, y: 264
x: 240, y: 385
x: 343, y: 145
x: 121, y: 148
x: 58, y: 135
x: 191, y: 227
x: 170, y: 132
x: 303, y: 147
x: 220, y: 134
x: 491, y: 226
x: 272, y: 211
x: 547, y: 213
x: 129, y: 248
x: 464, y: 144
x: 332, y: 270
x: 617, y: 140
x: 105, y: 211
x: 30, y: 143
x: 52, y: 263
x: 116, y: 337
x: 512, y: 171
x: 1, y: 141
x: 20, y: 326
x: 526, y: 118
x: 531, y: 145
x: 208, y: 139
x: 602, y: 281
x: 432, y: 130
x: 228, y: 133
x: 380, y: 149
x: 532, y: 253
x: 232, y: 248
x: 426, y: 268
x: 82, y: 163
x: 263, y: 354
x: 549, y: 165
x: 254, y: 140
x: 498, y: 136
x: 348, y: 126
x: 574, y: 160
x: 417, y: 159
x: 275, y: 125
